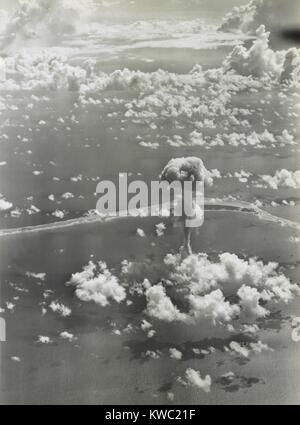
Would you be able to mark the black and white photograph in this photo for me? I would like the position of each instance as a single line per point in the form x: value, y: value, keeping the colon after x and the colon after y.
x: 149, y: 203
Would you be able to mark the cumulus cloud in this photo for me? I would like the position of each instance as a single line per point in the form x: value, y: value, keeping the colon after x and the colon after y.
x: 247, y: 18
x: 291, y: 66
x: 44, y: 340
x: 37, y: 276
x: 67, y: 195
x: 261, y: 61
x: 10, y: 306
x: 96, y: 283
x: 238, y: 17
x: 161, y: 307
x: 59, y: 214
x: 146, y: 326
x: 200, y: 283
x: 255, y: 140
x: 250, y: 329
x: 171, y: 396
x: 42, y: 20
x: 239, y: 349
x: 213, y: 306
x: 195, y: 270
x: 44, y: 70
x: 205, y: 282
x: 175, y: 354
x: 229, y: 376
x: 61, y: 309
x: 259, y: 347
x: 160, y: 229
x: 250, y: 302
x: 256, y: 61
x: 155, y: 355
x: 283, y: 178
x: 244, y: 18
x: 16, y: 359
x: 5, y: 205
x: 141, y: 233
x: 280, y: 288
x: 194, y: 379
x: 67, y: 336
x: 204, y: 274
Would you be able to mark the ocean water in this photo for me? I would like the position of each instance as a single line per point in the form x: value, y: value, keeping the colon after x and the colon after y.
x: 69, y: 118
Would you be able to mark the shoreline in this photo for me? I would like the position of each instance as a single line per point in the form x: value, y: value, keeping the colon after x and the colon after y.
x: 210, y: 205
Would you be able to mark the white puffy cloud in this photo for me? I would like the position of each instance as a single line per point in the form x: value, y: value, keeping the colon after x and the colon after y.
x: 160, y: 229
x: 96, y: 283
x: 5, y: 205
x: 202, y: 274
x: 194, y: 379
x: 146, y: 326
x: 213, y: 306
x: 59, y: 214
x: 291, y: 66
x: 256, y: 140
x: 155, y: 94
x: 151, y: 333
x: 247, y: 18
x: 161, y: 307
x: 141, y: 233
x: 171, y: 396
x: 242, y: 18
x: 44, y: 340
x: 260, y: 61
x: 67, y: 336
x: 249, y: 301
x: 37, y: 276
x: 229, y: 376
x: 280, y: 288
x: 259, y: 347
x: 61, y: 309
x: 207, y: 283
x: 67, y: 195
x: 46, y: 19
x: 155, y: 355
x: 195, y: 270
x: 16, y: 359
x: 43, y: 70
x: 10, y: 306
x: 239, y: 349
x: 283, y: 178
x: 175, y: 354
x: 250, y: 329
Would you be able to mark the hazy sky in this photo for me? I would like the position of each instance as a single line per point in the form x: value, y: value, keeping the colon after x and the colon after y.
x: 210, y: 10
x: 148, y: 4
